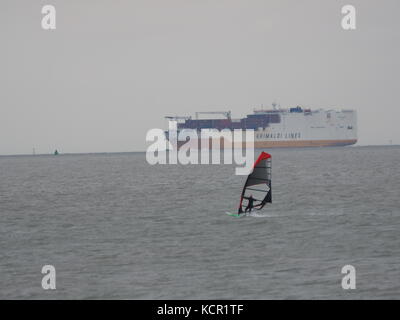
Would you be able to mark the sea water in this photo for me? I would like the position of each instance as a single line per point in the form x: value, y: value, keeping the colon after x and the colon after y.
x: 114, y: 226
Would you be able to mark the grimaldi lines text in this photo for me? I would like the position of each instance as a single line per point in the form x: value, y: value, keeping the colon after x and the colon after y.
x: 278, y: 127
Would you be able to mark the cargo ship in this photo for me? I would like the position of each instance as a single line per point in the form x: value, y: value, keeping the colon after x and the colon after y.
x: 281, y: 127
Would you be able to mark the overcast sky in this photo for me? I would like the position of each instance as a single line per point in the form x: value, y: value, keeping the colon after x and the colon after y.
x: 113, y: 69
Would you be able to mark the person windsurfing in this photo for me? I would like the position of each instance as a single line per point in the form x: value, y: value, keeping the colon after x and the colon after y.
x: 250, y: 204
x: 260, y: 177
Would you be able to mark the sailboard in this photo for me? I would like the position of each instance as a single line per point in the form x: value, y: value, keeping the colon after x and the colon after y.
x: 236, y: 215
x: 258, y: 185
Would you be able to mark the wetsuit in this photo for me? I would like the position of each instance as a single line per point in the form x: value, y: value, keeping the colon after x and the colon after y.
x: 250, y: 204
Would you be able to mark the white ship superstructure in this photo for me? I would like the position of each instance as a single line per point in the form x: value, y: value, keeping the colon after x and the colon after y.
x: 298, y: 127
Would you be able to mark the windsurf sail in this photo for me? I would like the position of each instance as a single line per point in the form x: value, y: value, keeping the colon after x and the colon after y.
x: 258, y: 184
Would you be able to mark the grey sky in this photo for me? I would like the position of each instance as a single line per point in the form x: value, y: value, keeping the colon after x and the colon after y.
x: 113, y: 69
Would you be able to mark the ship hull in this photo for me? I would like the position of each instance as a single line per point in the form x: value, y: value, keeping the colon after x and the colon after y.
x: 213, y: 144
x: 304, y: 143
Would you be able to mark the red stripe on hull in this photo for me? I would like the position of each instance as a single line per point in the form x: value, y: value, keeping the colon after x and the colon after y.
x: 283, y: 144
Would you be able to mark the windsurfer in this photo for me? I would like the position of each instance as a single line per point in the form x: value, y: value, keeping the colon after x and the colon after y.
x: 250, y: 203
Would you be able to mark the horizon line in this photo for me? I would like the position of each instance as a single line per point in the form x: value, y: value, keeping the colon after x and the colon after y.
x: 128, y: 152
